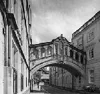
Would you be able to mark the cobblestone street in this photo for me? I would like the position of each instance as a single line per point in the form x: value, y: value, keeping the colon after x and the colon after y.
x: 46, y: 89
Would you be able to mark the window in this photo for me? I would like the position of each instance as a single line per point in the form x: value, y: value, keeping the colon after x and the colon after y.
x: 22, y: 82
x: 71, y: 53
x: 15, y: 64
x: 91, y: 53
x: 66, y: 51
x: 36, y: 52
x: 81, y: 59
x: 43, y: 52
x: 49, y: 50
x: 79, y: 79
x: 80, y: 42
x: 56, y: 48
x: 91, y: 76
x: 61, y: 48
x: 22, y: 74
x: 90, y: 35
x: 77, y: 56
x: 14, y: 81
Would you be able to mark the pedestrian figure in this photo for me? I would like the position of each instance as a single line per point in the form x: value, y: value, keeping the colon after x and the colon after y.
x: 38, y: 84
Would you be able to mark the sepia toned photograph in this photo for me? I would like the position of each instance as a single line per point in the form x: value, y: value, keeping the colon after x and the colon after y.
x: 49, y: 46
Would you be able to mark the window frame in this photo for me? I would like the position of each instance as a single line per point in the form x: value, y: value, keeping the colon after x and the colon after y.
x: 91, y: 75
x: 80, y: 42
x: 91, y: 53
x: 90, y: 35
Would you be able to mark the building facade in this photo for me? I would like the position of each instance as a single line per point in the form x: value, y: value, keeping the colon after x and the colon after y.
x: 15, y: 31
x: 3, y: 23
x: 86, y: 38
x: 62, y: 78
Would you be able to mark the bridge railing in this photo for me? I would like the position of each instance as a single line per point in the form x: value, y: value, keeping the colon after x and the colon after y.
x: 59, y: 58
x: 66, y: 58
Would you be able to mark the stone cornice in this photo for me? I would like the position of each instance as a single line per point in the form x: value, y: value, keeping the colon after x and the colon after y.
x: 90, y: 22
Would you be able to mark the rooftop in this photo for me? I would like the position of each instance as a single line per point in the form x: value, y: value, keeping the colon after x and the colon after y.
x: 88, y: 23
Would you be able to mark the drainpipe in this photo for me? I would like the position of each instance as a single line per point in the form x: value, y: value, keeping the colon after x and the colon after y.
x: 72, y: 82
x: 62, y: 77
x: 85, y: 69
x: 29, y: 70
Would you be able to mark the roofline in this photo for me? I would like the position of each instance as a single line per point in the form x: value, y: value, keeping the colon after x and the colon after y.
x: 47, y: 43
x: 85, y: 25
x: 40, y: 44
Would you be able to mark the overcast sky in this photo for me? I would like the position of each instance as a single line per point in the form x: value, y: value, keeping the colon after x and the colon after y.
x: 51, y: 18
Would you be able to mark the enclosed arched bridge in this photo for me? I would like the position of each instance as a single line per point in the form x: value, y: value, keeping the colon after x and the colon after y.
x: 59, y: 52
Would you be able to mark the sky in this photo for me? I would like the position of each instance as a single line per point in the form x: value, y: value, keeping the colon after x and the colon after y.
x: 51, y: 18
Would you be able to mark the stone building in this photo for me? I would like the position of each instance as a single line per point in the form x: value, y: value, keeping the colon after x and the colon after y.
x: 3, y: 22
x: 60, y: 77
x: 86, y: 38
x: 15, y: 37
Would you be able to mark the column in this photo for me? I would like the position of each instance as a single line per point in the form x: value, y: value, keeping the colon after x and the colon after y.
x: 68, y: 51
x: 46, y: 52
x: 39, y: 51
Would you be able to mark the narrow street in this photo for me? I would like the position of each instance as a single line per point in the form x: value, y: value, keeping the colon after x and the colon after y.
x: 46, y: 89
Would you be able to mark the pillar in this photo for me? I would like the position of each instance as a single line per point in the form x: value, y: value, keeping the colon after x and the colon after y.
x: 46, y: 52
x: 39, y: 51
x: 68, y: 51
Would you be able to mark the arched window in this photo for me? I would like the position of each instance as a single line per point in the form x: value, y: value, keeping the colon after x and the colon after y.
x: 71, y: 53
x: 36, y: 53
x: 49, y: 50
x: 42, y: 52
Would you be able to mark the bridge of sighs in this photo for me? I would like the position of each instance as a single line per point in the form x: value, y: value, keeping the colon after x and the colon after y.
x: 58, y: 52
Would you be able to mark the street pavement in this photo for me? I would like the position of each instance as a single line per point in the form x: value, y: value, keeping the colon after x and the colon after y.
x: 46, y: 89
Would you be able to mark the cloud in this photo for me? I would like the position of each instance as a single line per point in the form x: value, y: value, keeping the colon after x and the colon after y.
x: 53, y: 25
x: 54, y: 17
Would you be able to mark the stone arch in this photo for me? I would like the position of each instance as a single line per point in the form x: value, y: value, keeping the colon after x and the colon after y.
x: 72, y: 68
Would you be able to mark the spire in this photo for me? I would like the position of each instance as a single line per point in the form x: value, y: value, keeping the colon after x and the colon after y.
x: 61, y: 35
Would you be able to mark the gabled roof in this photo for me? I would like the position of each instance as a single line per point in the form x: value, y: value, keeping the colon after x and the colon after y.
x: 61, y: 38
x: 51, y: 42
